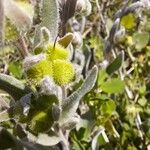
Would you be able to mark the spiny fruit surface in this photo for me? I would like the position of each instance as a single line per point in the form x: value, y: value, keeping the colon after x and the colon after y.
x: 63, y: 72
x: 41, y: 122
x: 39, y: 70
x: 56, y: 52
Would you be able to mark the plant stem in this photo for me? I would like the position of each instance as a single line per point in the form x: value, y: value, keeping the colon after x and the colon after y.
x: 65, y: 143
x: 22, y: 46
x: 3, y: 104
x: 1, y: 23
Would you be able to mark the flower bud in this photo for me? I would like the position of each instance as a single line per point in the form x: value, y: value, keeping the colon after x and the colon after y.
x: 84, y: 7
x: 129, y: 40
x: 77, y: 40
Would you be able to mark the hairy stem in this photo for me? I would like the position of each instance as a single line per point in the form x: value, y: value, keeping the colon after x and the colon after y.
x: 65, y: 143
x: 1, y: 23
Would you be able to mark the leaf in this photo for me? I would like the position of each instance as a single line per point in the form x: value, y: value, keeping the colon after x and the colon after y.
x: 96, y: 42
x: 70, y: 105
x: 99, y: 132
x: 88, y: 55
x: 66, y: 40
x: 128, y: 21
x: 48, y: 140
x: 18, y: 109
x: 50, y: 17
x: 4, y: 116
x: 102, y: 75
x: 15, y: 69
x: 116, y: 64
x: 142, y: 101
x: 110, y: 127
x: 17, y: 15
x: 141, y: 40
x: 40, y: 114
x: 108, y: 107
x: 84, y: 128
x: 71, y: 123
x: 113, y: 86
x: 9, y: 141
x: 13, y: 86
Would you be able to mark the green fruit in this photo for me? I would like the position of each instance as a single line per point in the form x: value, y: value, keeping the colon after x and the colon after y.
x: 63, y: 72
x: 57, y: 52
x: 40, y: 70
x: 41, y: 122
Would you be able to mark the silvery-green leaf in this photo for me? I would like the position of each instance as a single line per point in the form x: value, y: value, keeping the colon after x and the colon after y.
x: 119, y: 35
x: 95, y: 144
x: 2, y: 21
x: 45, y: 34
x: 50, y: 17
x: 48, y: 140
x: 29, y: 61
x: 20, y: 107
x: 70, y: 104
x: 17, y: 15
x: 13, y: 86
x: 48, y: 87
x: 7, y: 141
x: 4, y: 116
x: 95, y: 138
x: 71, y: 123
x: 56, y: 112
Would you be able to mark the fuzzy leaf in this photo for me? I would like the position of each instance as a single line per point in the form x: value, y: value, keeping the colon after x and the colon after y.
x: 9, y: 141
x: 13, y: 86
x: 4, y: 116
x: 48, y: 140
x: 50, y: 17
x: 19, y: 108
x: 17, y: 15
x: 116, y: 64
x: 100, y: 131
x: 70, y: 105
